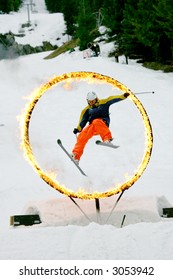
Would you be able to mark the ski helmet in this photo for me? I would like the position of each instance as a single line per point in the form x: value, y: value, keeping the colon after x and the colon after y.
x: 91, y: 96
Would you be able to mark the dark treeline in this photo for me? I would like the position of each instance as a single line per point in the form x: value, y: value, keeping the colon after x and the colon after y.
x: 139, y: 27
x: 6, y: 6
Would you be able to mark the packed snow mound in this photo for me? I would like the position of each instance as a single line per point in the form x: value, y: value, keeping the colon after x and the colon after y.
x: 62, y: 212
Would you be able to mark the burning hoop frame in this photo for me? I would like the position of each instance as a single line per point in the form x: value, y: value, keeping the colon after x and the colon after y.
x: 37, y: 94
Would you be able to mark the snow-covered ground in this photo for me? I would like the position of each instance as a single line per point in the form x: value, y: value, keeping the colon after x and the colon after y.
x: 43, y: 26
x: 65, y: 233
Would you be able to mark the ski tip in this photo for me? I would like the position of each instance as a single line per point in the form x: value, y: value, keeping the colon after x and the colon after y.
x: 58, y: 141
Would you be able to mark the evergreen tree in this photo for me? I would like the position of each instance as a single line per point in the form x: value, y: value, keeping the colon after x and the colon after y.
x: 70, y: 11
x: 17, y: 4
x: 85, y: 24
x: 113, y: 15
x: 147, y: 29
x: 128, y: 42
x: 164, y: 12
x: 54, y: 6
x: 96, y: 5
x: 6, y: 6
x: 3, y: 6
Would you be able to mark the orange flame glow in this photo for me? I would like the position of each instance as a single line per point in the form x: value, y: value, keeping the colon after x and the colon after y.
x: 48, y: 178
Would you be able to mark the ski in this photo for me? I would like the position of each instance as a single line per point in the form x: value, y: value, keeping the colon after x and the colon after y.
x: 98, y: 142
x: 67, y: 153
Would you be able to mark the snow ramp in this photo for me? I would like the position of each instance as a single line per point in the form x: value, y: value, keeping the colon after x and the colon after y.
x: 62, y: 211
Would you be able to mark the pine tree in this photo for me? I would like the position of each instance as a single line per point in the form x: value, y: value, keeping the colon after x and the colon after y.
x: 147, y: 30
x: 128, y: 42
x: 70, y: 11
x: 54, y: 6
x: 7, y: 6
x: 164, y: 12
x: 3, y: 6
x: 85, y: 24
x: 113, y: 15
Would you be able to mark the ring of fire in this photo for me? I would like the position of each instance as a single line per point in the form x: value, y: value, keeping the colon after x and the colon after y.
x: 48, y: 178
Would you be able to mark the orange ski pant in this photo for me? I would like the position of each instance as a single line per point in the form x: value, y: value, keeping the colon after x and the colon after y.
x: 97, y: 127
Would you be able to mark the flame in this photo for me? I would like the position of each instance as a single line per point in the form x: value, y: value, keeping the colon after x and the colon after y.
x: 68, y: 85
x: 49, y: 178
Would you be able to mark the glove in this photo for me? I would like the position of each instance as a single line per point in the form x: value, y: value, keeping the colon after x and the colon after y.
x: 126, y: 94
x: 75, y: 130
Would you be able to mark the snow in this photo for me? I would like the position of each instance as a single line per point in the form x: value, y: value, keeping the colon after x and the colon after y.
x: 39, y: 30
x: 65, y: 233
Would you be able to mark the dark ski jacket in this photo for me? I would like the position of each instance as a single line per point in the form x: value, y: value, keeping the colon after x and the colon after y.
x: 99, y: 111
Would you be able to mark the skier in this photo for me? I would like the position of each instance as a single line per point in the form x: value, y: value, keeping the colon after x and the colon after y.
x: 95, y: 48
x: 97, y: 114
